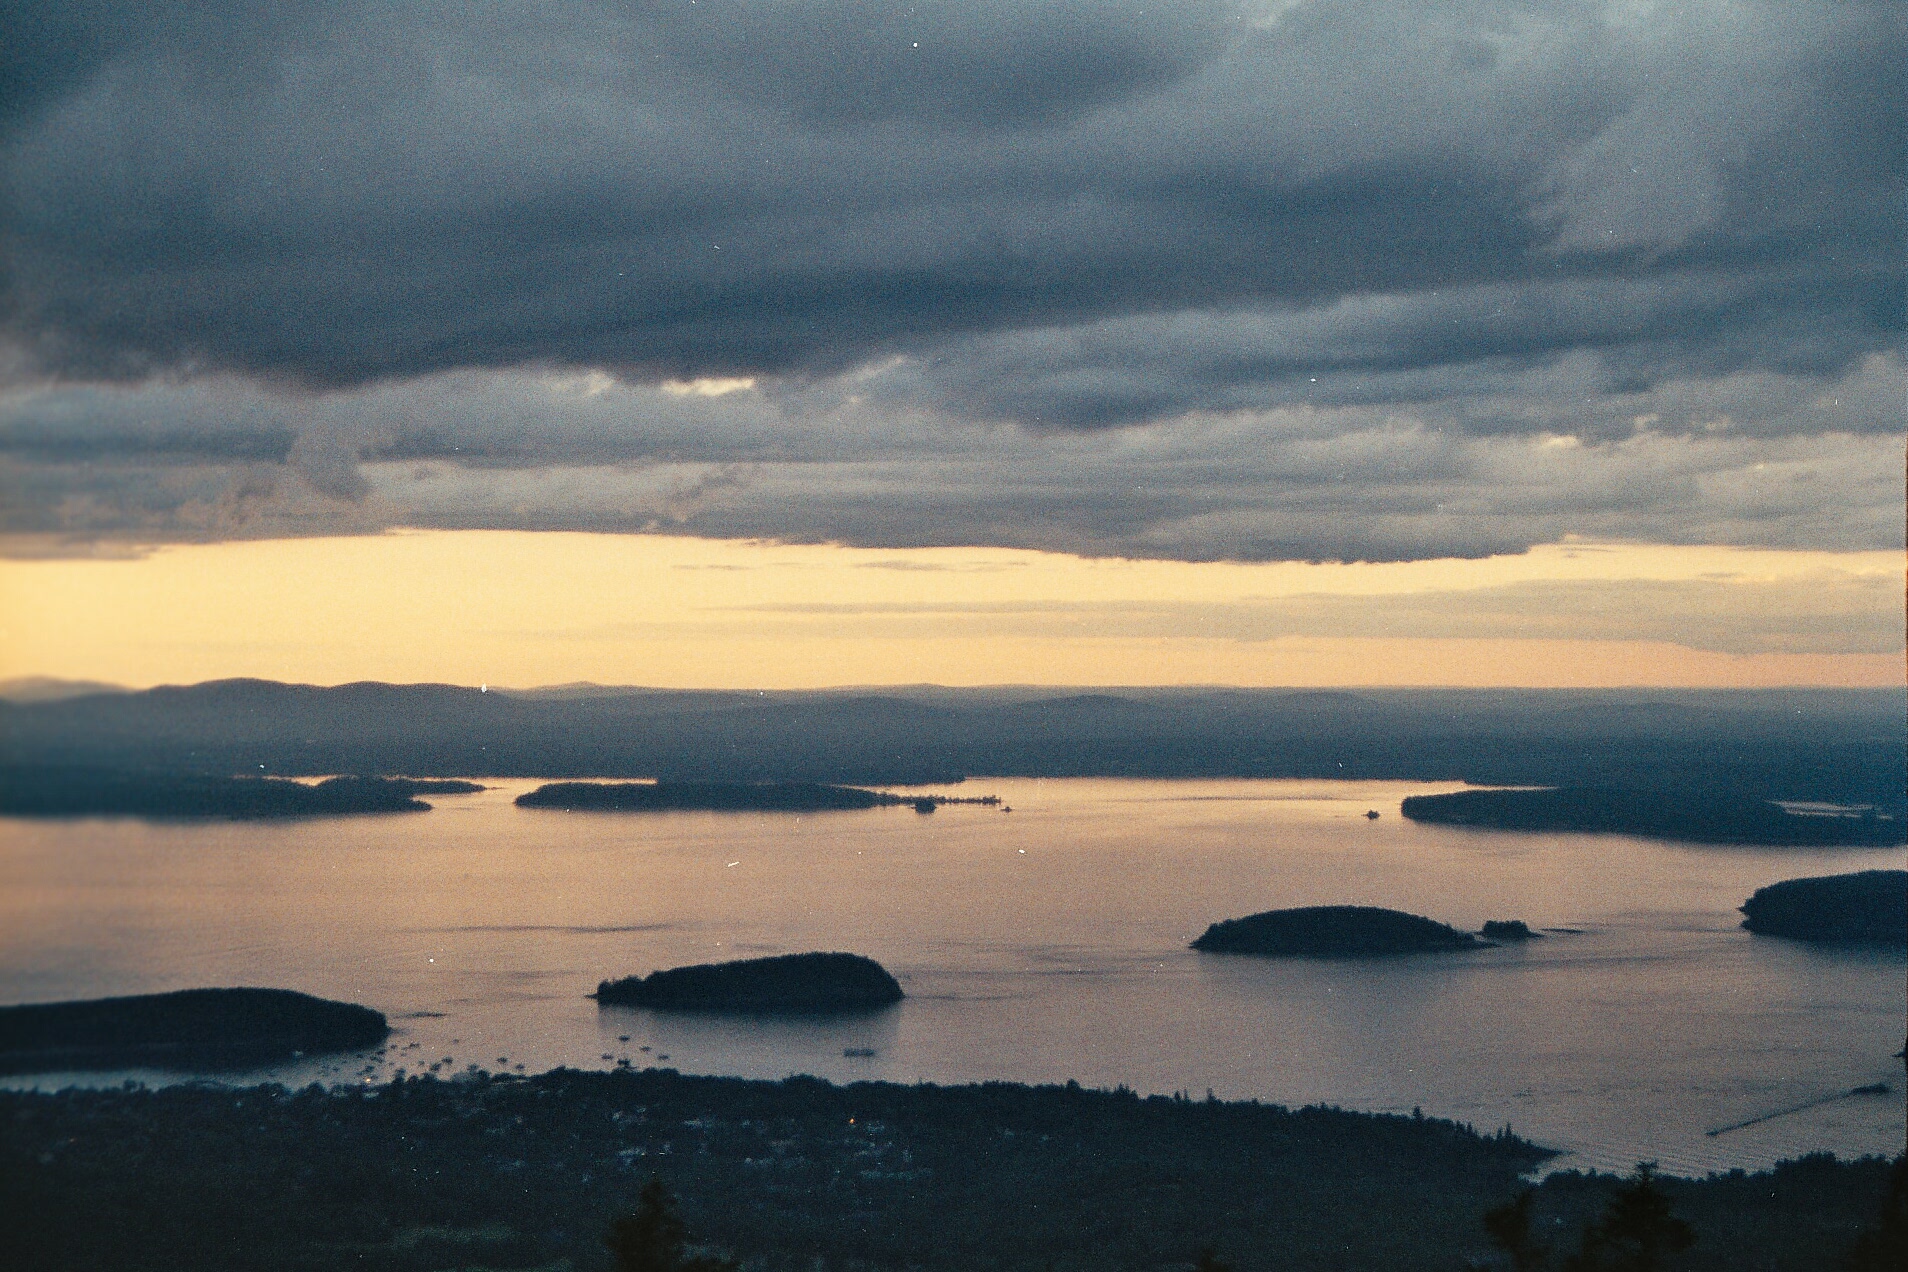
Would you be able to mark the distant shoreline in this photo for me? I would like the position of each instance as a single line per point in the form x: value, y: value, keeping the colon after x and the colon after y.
x: 48, y: 791
x: 774, y: 797
x: 1847, y: 747
x: 1691, y: 817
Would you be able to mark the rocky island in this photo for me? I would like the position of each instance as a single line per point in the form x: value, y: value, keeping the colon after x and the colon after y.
x: 785, y: 983
x: 1868, y: 907
x: 1334, y: 931
x: 188, y: 1029
x: 1509, y: 930
x: 1704, y: 817
x: 35, y: 791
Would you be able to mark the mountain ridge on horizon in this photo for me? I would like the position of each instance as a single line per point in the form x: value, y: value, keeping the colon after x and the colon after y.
x: 1829, y: 745
x: 37, y: 688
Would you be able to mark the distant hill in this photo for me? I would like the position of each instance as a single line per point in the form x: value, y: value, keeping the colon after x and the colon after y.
x: 49, y: 689
x: 1847, y: 746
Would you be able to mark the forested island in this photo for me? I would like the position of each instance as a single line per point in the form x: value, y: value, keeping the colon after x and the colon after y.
x: 187, y: 1029
x: 40, y: 791
x: 638, y: 797
x: 1869, y: 907
x: 782, y: 983
x: 501, y: 1173
x: 433, y: 785
x: 1334, y: 931
x: 776, y: 797
x: 1694, y: 816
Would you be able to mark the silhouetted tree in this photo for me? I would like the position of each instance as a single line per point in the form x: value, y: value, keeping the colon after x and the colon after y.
x: 654, y: 1238
x: 1635, y: 1232
x: 1883, y: 1247
x: 1509, y: 1226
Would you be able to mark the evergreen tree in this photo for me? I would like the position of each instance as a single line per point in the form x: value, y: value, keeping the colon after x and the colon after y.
x: 1636, y: 1231
x: 1884, y: 1246
x: 1509, y: 1226
x: 654, y: 1238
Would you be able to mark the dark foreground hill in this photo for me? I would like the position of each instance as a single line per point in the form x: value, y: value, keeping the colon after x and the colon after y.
x: 1694, y: 816
x: 1868, y: 907
x: 189, y: 1029
x: 528, y: 1173
x: 783, y: 983
x: 1832, y: 745
x: 1334, y: 931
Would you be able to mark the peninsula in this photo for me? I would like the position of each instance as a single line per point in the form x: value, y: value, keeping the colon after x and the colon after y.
x: 1695, y: 817
x: 488, y: 1171
x: 778, y: 797
x: 1334, y: 931
x: 785, y: 983
x: 187, y: 1029
x: 36, y: 791
x: 1868, y: 907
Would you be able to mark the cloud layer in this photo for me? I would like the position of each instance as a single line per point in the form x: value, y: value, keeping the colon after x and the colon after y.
x: 1327, y: 279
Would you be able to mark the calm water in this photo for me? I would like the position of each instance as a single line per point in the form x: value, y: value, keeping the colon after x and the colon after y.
x: 1036, y: 946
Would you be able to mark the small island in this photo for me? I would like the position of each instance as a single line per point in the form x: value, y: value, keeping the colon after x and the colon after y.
x: 1334, y: 931
x: 1704, y: 817
x: 1869, y: 907
x: 793, y: 983
x: 48, y: 791
x: 187, y: 1029
x: 434, y: 785
x: 1509, y: 930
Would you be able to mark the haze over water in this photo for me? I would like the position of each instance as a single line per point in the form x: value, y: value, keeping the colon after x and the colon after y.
x: 1041, y: 945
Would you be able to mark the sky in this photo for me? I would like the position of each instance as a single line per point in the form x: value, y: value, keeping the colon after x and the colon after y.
x: 772, y: 344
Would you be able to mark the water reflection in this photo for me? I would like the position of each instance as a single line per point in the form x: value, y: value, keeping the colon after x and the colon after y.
x: 1041, y: 946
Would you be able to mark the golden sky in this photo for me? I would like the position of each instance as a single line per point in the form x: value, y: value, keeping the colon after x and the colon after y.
x: 525, y: 608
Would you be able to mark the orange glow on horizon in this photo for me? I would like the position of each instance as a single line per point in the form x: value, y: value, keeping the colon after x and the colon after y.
x: 523, y: 608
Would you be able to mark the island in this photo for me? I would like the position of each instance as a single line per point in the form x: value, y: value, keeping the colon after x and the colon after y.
x: 1334, y: 931
x: 36, y: 791
x: 727, y: 797
x: 1707, y: 817
x: 796, y: 983
x: 640, y: 797
x: 1509, y: 930
x: 1868, y: 907
x: 434, y: 785
x: 187, y: 1029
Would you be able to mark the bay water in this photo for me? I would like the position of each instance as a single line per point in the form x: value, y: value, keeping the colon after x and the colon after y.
x: 1044, y: 944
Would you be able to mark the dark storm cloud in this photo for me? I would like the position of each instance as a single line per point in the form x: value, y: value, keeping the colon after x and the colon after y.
x: 331, y: 195
x: 1525, y: 457
x: 1198, y: 279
